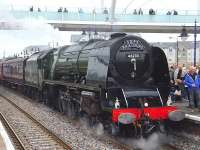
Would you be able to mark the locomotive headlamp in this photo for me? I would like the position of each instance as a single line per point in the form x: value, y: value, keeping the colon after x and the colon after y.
x: 133, y: 74
x: 133, y: 60
x: 117, y: 104
x: 146, y: 104
x: 176, y: 115
x: 126, y: 118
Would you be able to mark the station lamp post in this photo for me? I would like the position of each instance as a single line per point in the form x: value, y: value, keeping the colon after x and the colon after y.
x: 195, y: 41
x: 177, y: 50
x: 184, y: 37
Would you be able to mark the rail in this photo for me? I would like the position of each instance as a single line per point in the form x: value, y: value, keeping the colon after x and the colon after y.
x: 51, y: 134
x: 109, y: 139
x: 50, y: 16
x: 14, y: 138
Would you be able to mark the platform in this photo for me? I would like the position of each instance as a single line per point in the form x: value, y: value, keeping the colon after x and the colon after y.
x: 191, y: 113
x: 2, y: 144
x: 5, y: 142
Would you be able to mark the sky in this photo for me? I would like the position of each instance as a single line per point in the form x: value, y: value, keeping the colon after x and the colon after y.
x: 39, y: 33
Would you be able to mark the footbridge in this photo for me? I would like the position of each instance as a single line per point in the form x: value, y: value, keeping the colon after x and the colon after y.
x: 98, y: 21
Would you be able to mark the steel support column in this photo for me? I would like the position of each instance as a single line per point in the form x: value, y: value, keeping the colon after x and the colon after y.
x: 112, y: 11
x: 195, y: 41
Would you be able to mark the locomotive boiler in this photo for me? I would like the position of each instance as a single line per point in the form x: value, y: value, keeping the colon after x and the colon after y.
x: 123, y: 81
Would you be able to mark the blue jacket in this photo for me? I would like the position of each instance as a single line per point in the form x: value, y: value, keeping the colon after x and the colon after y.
x: 197, y: 81
x: 189, y: 81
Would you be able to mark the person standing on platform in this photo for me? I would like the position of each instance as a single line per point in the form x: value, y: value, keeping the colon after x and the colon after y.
x: 171, y: 74
x: 198, y: 89
x: 140, y: 12
x: 65, y: 10
x: 178, y: 78
x: 135, y: 12
x: 192, y: 81
x: 105, y: 12
x: 172, y: 84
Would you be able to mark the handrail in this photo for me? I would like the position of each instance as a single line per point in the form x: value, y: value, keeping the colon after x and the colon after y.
x: 99, y: 17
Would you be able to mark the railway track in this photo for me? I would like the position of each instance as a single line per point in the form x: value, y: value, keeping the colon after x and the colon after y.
x: 37, y: 135
x: 118, y: 143
x: 186, y: 140
x: 170, y: 147
x: 13, y: 136
x: 109, y: 139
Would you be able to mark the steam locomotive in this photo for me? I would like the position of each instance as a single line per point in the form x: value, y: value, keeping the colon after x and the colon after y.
x: 123, y: 81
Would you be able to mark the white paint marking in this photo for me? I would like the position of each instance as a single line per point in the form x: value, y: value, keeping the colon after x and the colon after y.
x: 192, y: 117
x: 6, y: 139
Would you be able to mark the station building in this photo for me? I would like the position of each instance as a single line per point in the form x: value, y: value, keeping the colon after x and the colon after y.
x: 185, y: 52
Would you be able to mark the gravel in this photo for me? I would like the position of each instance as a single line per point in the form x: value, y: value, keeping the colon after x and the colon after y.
x: 75, y: 133
x: 185, y: 141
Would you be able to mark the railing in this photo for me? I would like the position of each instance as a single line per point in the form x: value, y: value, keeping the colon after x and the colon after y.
x: 100, y: 17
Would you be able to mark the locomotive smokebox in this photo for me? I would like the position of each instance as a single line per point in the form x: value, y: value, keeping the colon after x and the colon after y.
x: 126, y: 118
x: 176, y: 115
x: 130, y: 60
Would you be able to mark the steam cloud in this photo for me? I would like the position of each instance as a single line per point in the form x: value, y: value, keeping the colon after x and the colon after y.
x: 154, y: 142
x: 35, y: 32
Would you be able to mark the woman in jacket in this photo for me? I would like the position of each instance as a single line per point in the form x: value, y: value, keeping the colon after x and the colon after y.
x: 192, y: 80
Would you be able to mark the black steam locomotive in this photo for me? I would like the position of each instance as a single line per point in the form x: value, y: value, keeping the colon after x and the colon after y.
x: 123, y: 80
